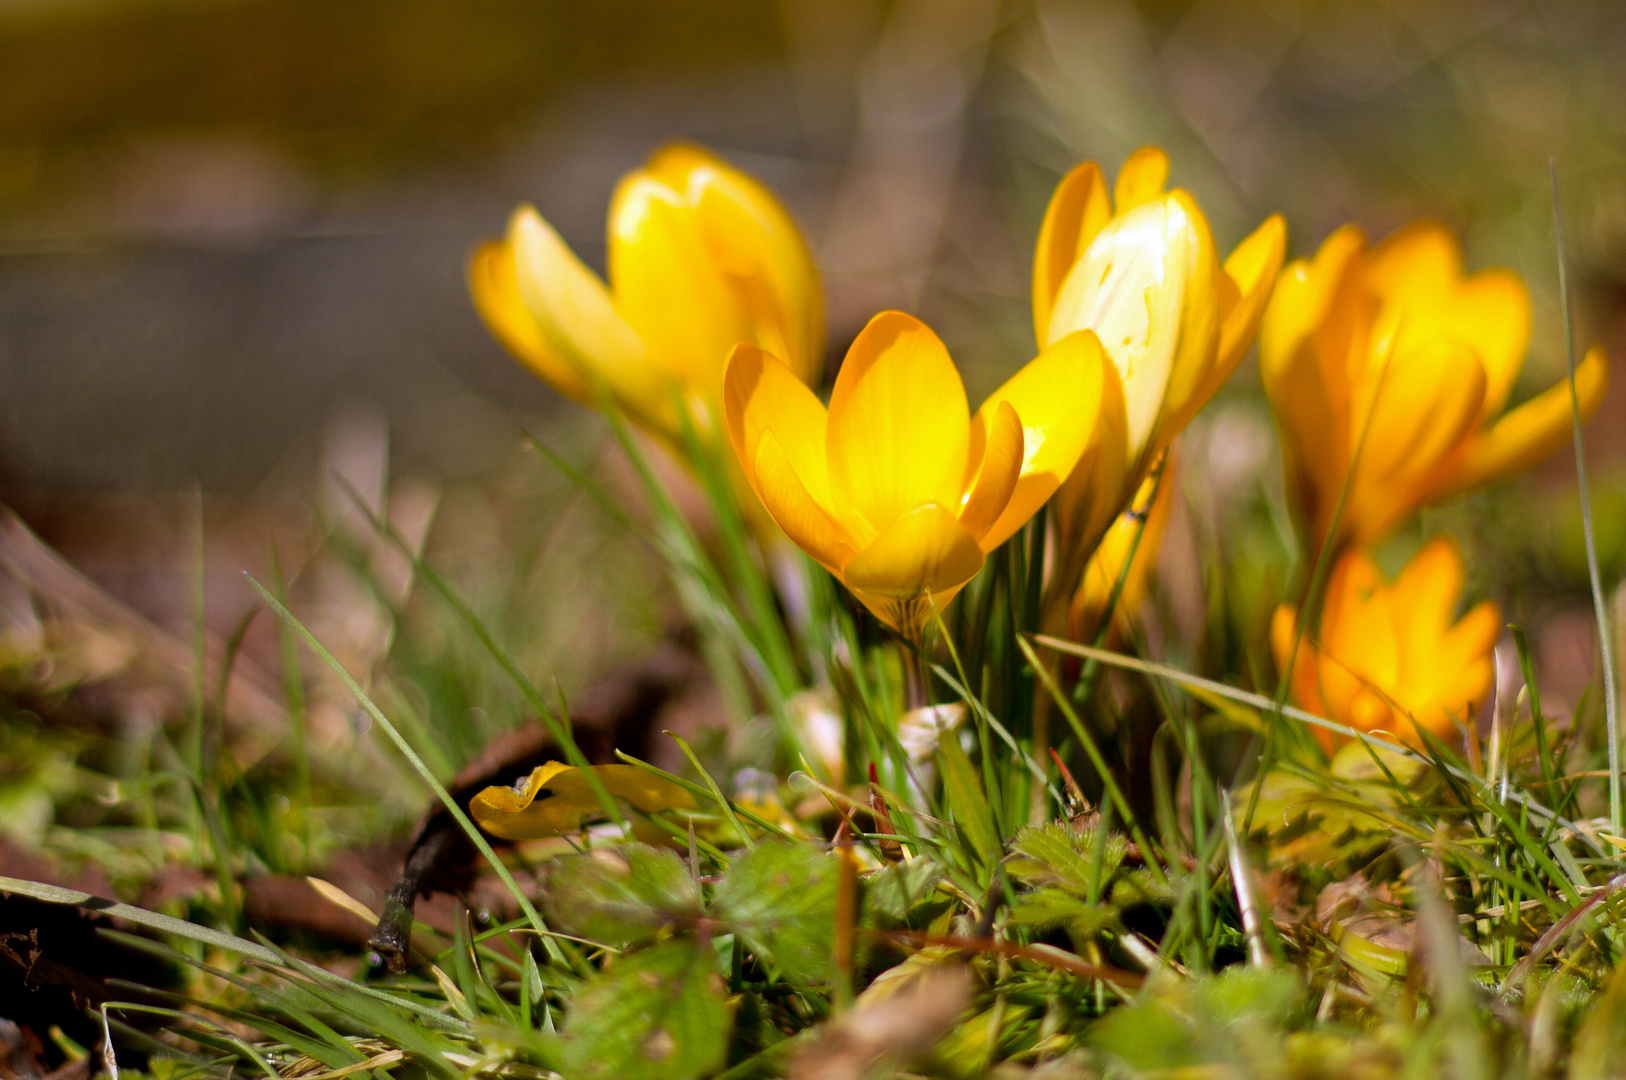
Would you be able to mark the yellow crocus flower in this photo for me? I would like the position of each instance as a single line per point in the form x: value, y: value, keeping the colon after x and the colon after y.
x: 1106, y: 566
x: 1388, y: 658
x: 701, y: 256
x: 556, y: 799
x: 897, y: 489
x: 1391, y: 361
x: 1140, y: 269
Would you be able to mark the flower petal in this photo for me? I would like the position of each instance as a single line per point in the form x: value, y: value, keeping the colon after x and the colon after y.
x: 1251, y: 270
x: 1194, y: 366
x: 575, y: 313
x: 898, y: 427
x: 761, y: 393
x: 638, y: 787
x: 761, y: 254
x: 1078, y: 210
x: 667, y: 286
x: 1420, y: 269
x: 1306, y: 688
x: 1000, y: 464
x: 1132, y: 287
x: 1098, y: 488
x: 1140, y: 180
x: 925, y: 551
x: 1529, y: 433
x: 1060, y: 397
x: 1302, y: 301
x: 496, y: 294
x: 786, y: 499
x: 1106, y: 566
x: 1422, y: 421
x: 533, y: 811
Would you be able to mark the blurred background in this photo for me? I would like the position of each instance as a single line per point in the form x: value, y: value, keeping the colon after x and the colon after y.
x: 233, y: 233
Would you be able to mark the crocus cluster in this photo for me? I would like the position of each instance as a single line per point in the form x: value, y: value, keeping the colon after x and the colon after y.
x: 1387, y: 367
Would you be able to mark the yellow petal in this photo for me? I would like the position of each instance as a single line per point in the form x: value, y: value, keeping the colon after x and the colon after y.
x: 1131, y: 287
x: 761, y: 393
x: 786, y: 498
x: 574, y: 311
x: 1141, y: 179
x: 1426, y: 594
x: 534, y: 810
x: 1284, y: 633
x: 1106, y: 566
x: 1357, y: 644
x: 1252, y: 270
x: 1419, y: 268
x: 924, y: 553
x: 761, y: 253
x: 1424, y: 417
x: 898, y: 427
x: 1060, y: 397
x: 1078, y: 210
x: 641, y: 789
x: 496, y: 296
x: 1100, y: 485
x: 999, y: 467
x: 667, y: 286
x: 556, y: 798
x: 1529, y: 433
x: 1317, y: 319
x: 1194, y: 369
x: 1303, y: 300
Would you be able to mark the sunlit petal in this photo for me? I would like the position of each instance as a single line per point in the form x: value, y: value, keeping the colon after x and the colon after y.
x: 1061, y: 397
x: 787, y: 500
x: 1000, y: 464
x: 496, y: 294
x: 761, y: 254
x: 1078, y: 210
x: 1405, y: 444
x: 1100, y: 485
x: 1420, y: 269
x: 1141, y: 179
x: 1193, y: 369
x: 575, y: 313
x: 760, y: 394
x: 1131, y: 287
x: 666, y: 285
x: 1252, y: 270
x: 924, y: 551
x: 1529, y: 433
x: 898, y: 428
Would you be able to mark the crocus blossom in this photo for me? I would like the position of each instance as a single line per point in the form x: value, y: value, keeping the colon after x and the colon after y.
x: 1389, y: 368
x: 1389, y: 657
x: 897, y: 488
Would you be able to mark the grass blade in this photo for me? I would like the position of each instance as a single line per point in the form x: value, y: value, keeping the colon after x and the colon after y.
x: 1606, y: 652
x: 474, y: 834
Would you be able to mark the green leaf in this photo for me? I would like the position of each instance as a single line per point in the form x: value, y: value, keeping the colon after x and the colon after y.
x: 1050, y: 907
x: 661, y: 1014
x: 781, y: 900
x: 618, y: 896
x: 1056, y: 854
x: 967, y: 802
x: 892, y: 892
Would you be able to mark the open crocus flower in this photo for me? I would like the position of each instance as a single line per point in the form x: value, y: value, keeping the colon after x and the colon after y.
x: 556, y: 799
x: 1140, y: 269
x: 1388, y: 658
x: 700, y: 256
x: 1106, y: 566
x: 897, y: 489
x: 1391, y: 362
